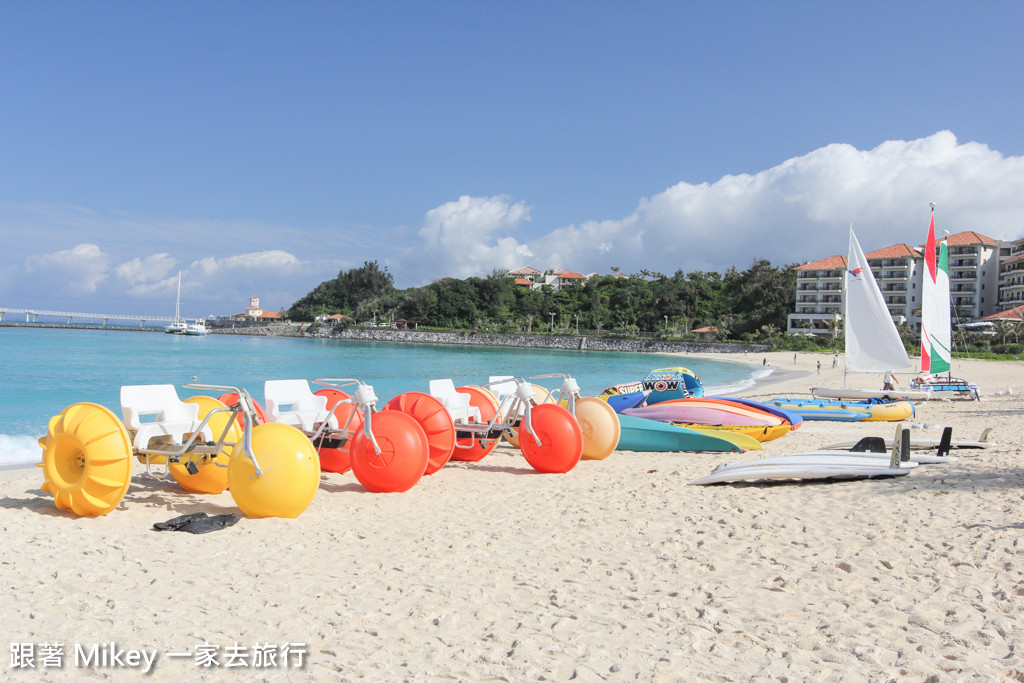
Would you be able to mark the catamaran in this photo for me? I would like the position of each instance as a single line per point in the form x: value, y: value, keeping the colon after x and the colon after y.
x: 179, y: 326
x: 872, y: 342
x: 936, y: 337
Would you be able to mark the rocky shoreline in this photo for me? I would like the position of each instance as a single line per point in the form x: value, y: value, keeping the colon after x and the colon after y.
x: 568, y: 342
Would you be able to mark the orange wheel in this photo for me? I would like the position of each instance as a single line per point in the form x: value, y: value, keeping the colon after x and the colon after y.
x: 561, y: 440
x: 340, y: 459
x: 541, y: 395
x: 469, y: 448
x: 436, y: 422
x: 403, y: 453
x: 231, y: 398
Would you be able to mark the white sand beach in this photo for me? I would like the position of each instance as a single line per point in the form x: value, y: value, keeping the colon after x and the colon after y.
x: 615, y: 571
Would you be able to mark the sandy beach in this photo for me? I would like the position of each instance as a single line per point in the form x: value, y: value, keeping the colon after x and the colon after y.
x: 615, y: 571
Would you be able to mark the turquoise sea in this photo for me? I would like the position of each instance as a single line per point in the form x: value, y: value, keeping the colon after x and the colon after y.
x: 44, y: 370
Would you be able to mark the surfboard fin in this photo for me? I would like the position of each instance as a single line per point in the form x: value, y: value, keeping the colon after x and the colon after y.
x: 984, y: 434
x: 897, y: 446
x: 869, y: 444
x: 945, y: 441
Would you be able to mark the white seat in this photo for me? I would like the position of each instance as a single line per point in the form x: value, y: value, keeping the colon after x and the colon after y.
x: 457, y: 404
x: 504, y: 389
x: 291, y: 402
x: 169, y: 416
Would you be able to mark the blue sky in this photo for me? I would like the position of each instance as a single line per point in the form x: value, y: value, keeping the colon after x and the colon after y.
x: 261, y: 147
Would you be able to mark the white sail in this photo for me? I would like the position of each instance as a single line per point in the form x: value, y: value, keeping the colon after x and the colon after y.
x: 872, y: 342
x: 936, y: 341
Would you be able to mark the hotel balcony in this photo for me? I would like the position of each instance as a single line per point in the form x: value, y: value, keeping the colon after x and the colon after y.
x: 963, y: 263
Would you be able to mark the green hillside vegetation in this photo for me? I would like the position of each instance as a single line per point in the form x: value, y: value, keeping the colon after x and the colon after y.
x: 749, y: 305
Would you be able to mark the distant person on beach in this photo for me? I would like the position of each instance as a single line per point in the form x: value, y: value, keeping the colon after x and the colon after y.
x: 794, y: 359
x: 890, y: 381
x: 819, y: 367
x: 835, y: 360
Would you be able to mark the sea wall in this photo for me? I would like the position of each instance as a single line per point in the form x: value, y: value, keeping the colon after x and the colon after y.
x: 574, y: 343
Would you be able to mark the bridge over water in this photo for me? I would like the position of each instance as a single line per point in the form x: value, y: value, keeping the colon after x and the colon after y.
x: 32, y: 316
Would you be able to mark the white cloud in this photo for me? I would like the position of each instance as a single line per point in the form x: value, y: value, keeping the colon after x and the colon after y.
x: 80, y: 269
x: 464, y: 238
x: 145, y: 271
x: 795, y: 212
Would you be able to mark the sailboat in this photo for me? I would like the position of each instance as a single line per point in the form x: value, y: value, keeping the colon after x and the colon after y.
x: 179, y: 326
x: 936, y: 335
x: 873, y: 343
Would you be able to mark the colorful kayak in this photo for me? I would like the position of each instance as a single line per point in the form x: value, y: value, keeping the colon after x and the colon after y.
x: 871, y: 410
x: 794, y: 419
x: 704, y: 411
x: 759, y: 433
x: 620, y: 402
x: 639, y: 434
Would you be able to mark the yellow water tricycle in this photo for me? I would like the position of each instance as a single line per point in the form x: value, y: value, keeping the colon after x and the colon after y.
x: 271, y: 469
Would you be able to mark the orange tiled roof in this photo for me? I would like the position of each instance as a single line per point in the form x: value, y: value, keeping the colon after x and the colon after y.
x: 1018, y: 257
x: 969, y: 237
x: 525, y: 270
x: 1014, y: 314
x: 830, y: 263
x: 894, y: 251
x: 569, y: 274
x: 523, y: 281
x: 271, y: 314
x: 706, y: 329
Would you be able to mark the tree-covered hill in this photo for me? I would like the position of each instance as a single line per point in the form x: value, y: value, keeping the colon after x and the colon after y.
x: 737, y: 303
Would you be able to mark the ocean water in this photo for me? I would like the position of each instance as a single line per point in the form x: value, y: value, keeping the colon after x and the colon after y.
x: 42, y: 371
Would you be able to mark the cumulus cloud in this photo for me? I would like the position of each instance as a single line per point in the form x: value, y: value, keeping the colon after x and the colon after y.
x: 464, y: 238
x: 141, y: 273
x: 80, y: 269
x: 795, y: 212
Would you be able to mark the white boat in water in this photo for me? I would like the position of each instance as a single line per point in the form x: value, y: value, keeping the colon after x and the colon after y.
x: 191, y: 328
x: 179, y: 326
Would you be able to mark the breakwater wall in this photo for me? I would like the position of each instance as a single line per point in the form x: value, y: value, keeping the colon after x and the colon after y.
x: 533, y: 341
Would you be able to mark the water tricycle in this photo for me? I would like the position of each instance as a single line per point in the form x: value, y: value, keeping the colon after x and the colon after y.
x: 272, y: 469
x: 598, y: 425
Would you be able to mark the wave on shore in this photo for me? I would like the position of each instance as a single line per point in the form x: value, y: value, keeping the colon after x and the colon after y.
x: 741, y: 385
x: 19, y: 451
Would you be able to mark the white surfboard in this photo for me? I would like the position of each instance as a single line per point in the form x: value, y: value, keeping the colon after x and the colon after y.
x: 860, y: 394
x: 806, y: 470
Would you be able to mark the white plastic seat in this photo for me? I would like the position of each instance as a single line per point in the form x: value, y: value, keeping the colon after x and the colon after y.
x: 291, y: 402
x: 171, y: 417
x: 503, y: 387
x: 457, y: 404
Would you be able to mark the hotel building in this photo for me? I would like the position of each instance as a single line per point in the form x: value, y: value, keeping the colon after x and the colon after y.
x: 975, y: 276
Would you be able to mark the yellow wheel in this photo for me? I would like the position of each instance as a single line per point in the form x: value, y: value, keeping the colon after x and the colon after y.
x: 291, y: 473
x: 600, y: 426
x: 86, y: 459
x: 212, y: 476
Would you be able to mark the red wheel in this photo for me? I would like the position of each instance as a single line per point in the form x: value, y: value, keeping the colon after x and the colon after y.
x: 403, y: 453
x: 231, y: 398
x: 469, y: 448
x: 561, y: 439
x: 340, y: 459
x: 436, y: 422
